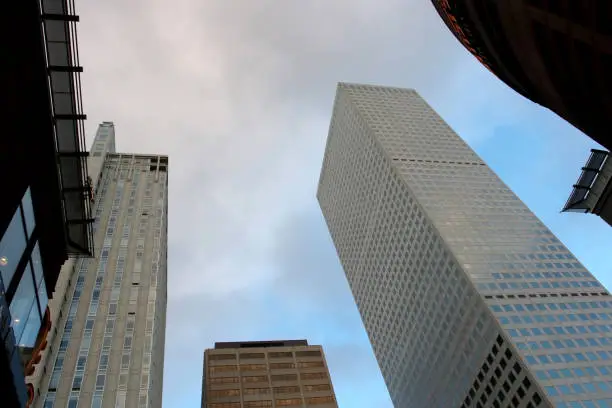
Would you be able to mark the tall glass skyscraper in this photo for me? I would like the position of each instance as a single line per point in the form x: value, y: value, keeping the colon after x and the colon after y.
x: 468, y: 299
x: 108, y: 351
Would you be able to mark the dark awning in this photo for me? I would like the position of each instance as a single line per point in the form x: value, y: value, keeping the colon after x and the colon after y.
x: 577, y: 200
x: 59, y: 26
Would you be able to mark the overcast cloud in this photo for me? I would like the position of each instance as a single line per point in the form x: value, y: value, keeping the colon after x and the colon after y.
x: 239, y: 95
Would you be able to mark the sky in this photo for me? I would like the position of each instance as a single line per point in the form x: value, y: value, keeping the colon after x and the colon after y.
x: 239, y: 94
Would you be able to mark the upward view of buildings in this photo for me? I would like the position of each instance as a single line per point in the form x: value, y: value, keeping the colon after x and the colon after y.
x: 108, y: 347
x: 468, y: 299
x: 556, y: 53
x: 82, y: 318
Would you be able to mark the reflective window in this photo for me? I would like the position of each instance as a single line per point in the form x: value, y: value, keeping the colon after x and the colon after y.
x: 22, y: 303
x: 86, y: 342
x: 32, y: 326
x: 96, y: 402
x: 28, y: 211
x: 104, y: 361
x: 55, y: 379
x: 43, y: 299
x: 37, y: 264
x: 49, y: 400
x: 76, y: 383
x: 82, y: 360
x: 12, y: 245
x: 100, y: 380
x: 59, y: 363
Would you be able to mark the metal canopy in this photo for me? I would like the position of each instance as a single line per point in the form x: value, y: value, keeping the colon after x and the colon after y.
x: 577, y: 200
x: 60, y: 38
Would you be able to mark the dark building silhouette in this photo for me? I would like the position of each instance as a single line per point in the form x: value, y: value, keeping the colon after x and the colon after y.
x: 45, y: 201
x: 558, y: 53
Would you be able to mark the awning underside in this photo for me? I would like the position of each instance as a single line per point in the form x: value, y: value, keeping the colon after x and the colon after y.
x: 578, y: 199
x: 59, y: 26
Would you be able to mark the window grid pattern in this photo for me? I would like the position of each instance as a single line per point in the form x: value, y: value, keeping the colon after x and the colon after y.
x: 112, y: 310
x: 123, y: 177
x: 276, y: 376
x: 502, y: 382
x: 93, y: 308
x: 82, y: 268
x: 151, y: 384
x: 143, y: 232
x: 420, y: 223
x: 126, y: 169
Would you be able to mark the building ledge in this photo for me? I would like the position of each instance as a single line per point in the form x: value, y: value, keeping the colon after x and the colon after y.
x: 63, y: 69
x: 580, y: 198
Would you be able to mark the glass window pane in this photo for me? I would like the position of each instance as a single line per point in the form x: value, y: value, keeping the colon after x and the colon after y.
x: 100, y: 380
x: 39, y: 279
x: 96, y: 402
x: 49, y: 400
x: 32, y: 326
x: 12, y: 245
x: 37, y: 264
x: 43, y: 299
x: 22, y: 302
x: 55, y: 378
x: 28, y: 211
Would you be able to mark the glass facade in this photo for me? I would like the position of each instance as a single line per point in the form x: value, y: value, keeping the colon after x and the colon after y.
x: 12, y: 247
x: 21, y: 268
x: 453, y: 275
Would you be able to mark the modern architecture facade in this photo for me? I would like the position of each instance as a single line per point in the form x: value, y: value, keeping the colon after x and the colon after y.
x: 467, y: 298
x: 592, y: 193
x: 107, y: 349
x: 288, y: 373
x: 45, y: 213
x: 556, y: 53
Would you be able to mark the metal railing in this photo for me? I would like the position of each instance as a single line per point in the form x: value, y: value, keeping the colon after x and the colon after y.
x: 580, y: 193
x: 64, y: 80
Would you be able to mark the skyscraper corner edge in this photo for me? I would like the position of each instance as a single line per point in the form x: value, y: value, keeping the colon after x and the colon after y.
x: 436, y: 230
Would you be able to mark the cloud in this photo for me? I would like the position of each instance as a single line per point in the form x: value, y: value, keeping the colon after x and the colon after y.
x: 308, y: 297
x: 239, y: 95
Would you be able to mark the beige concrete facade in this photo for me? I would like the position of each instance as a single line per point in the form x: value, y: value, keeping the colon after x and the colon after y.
x: 106, y: 348
x: 266, y: 374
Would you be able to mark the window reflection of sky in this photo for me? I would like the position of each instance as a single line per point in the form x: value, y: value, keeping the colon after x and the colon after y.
x: 43, y: 300
x: 28, y: 211
x: 31, y: 328
x: 22, y: 302
x: 30, y: 298
x: 37, y: 265
x: 12, y: 245
x: 26, y: 313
